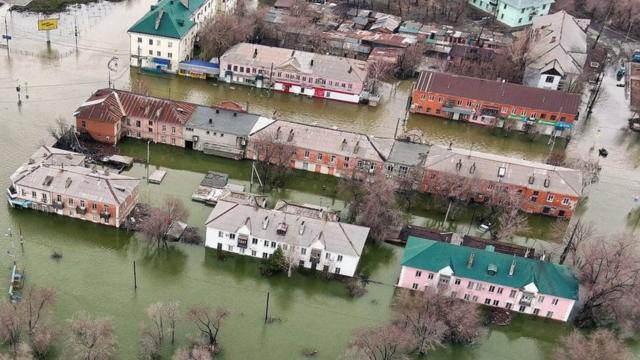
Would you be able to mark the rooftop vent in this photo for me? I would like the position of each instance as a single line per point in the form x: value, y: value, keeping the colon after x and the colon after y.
x: 278, y: 132
x: 547, y: 182
x: 350, y: 69
x: 293, y: 53
x: 217, y: 111
x: 532, y: 179
x: 282, y: 229
x: 47, y: 180
x: 301, y: 230
x: 265, y: 223
x: 356, y: 148
x: 492, y: 269
x: 311, y: 62
x: 502, y: 171
x: 470, y: 260
x: 67, y: 183
x: 512, y: 268
x: 255, y: 53
x: 210, y: 121
x: 343, y: 144
x: 235, y: 113
x: 459, y: 165
x: 120, y: 188
x: 472, y: 169
x: 180, y: 22
x: 290, y: 137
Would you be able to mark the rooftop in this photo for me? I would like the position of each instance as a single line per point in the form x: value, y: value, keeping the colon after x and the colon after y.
x: 227, y: 121
x: 301, y: 231
x: 548, y: 278
x: 49, y: 155
x: 317, y: 65
x: 215, y: 179
x: 168, y: 18
x: 498, y: 92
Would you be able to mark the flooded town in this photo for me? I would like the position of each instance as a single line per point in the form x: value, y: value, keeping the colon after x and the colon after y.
x: 340, y: 179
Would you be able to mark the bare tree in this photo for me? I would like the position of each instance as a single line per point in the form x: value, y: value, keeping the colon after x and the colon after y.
x: 222, y: 31
x: 433, y: 319
x: 387, y: 342
x: 451, y: 192
x: 37, y: 302
x: 42, y: 339
x: 503, y: 211
x: 589, y: 168
x: 22, y: 352
x: 379, y: 72
x: 208, y: 321
x: 573, y: 238
x: 195, y: 352
x: 164, y: 318
x: 11, y: 325
x: 410, y: 60
x: 272, y: 155
x: 378, y: 208
x: 90, y: 339
x: 63, y: 133
x: 159, y: 220
x: 172, y: 315
x: 609, y: 275
x: 599, y: 345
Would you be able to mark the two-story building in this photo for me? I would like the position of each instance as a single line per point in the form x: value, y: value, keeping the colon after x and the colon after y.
x: 165, y: 35
x: 495, y: 103
x: 308, y: 242
x: 514, y: 13
x: 60, y: 184
x: 542, y: 188
x: 294, y: 71
x: 484, y: 276
x: 318, y: 149
x: 222, y: 132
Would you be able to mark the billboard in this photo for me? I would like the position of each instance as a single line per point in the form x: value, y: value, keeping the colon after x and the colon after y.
x: 47, y: 24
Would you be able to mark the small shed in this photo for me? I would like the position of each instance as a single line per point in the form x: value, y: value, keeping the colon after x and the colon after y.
x: 157, y: 176
x: 215, y: 179
x: 176, y: 230
x: 199, y: 69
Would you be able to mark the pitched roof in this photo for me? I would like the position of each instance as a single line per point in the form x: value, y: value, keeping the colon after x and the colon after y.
x: 519, y: 4
x: 559, y: 40
x: 50, y: 156
x: 80, y: 182
x: 301, y: 231
x: 168, y: 18
x: 226, y: 121
x: 498, y: 92
x: 153, y: 108
x: 317, y: 65
x: 550, y: 279
x: 104, y: 105
x: 486, y: 166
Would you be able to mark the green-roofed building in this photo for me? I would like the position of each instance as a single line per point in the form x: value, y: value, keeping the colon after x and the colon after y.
x: 165, y: 35
x: 487, y: 277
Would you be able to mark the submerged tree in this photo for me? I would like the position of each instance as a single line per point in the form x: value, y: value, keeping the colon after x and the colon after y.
x: 208, y: 321
x: 377, y: 208
x: 273, y: 155
x: 159, y: 220
x: 599, y: 345
x: 90, y: 339
x: 387, y: 342
x: 221, y: 32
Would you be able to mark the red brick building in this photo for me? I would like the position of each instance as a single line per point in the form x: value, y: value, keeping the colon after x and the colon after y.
x: 495, y: 103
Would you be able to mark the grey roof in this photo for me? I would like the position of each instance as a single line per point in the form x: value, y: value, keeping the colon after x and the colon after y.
x: 408, y: 153
x: 332, y: 236
x: 560, y: 42
x: 225, y: 121
x: 51, y: 156
x: 80, y: 182
x: 215, y: 179
x: 517, y: 171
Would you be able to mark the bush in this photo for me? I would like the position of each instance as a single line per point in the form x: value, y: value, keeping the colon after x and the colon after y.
x: 276, y: 263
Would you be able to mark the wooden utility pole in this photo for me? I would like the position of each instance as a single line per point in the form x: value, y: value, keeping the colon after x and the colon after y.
x: 569, y: 245
x: 135, y: 277
x: 266, y: 311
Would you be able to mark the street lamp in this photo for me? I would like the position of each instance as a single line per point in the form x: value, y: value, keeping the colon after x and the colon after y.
x: 112, y: 65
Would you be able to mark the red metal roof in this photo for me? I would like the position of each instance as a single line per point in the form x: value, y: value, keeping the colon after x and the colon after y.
x: 104, y: 105
x: 498, y: 92
x: 152, y: 108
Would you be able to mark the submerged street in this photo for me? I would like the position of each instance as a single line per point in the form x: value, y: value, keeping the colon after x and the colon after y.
x: 95, y: 272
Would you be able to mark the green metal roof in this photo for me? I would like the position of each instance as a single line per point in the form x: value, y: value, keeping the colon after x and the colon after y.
x: 549, y: 278
x: 174, y: 22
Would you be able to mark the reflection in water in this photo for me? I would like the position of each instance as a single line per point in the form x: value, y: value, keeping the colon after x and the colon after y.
x: 167, y: 261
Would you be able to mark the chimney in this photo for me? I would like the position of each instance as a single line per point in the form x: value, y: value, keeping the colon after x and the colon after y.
x: 544, y: 256
x: 265, y: 223
x: 255, y: 53
x: 217, y: 111
x: 512, y: 268
x: 470, y: 260
x: 290, y: 137
x: 301, y: 231
x: 343, y: 144
x: 293, y: 53
x: 311, y: 63
x: 356, y: 148
x: 235, y: 114
x: 547, y: 182
x: 350, y: 69
x: 450, y: 145
x: 532, y: 179
x: 210, y: 121
x: 278, y: 133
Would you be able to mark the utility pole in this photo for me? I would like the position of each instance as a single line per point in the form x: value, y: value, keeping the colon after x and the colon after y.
x: 112, y: 65
x: 18, y: 91
x: 6, y: 35
x: 266, y: 311
x: 569, y: 245
x: 75, y: 30
x: 135, y: 277
x: 604, y: 22
x: 148, y: 142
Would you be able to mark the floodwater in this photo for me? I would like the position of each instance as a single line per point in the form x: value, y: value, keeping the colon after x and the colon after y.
x: 95, y: 273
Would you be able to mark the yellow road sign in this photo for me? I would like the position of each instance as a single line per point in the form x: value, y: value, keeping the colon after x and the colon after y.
x: 47, y: 24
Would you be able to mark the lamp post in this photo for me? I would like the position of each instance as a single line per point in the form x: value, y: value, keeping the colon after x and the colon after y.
x: 112, y: 65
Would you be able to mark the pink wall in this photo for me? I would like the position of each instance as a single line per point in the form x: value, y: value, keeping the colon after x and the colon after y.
x: 481, y: 290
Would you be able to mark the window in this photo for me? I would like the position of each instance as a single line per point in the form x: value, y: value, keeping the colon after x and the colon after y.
x: 94, y: 206
x: 548, y: 79
x: 554, y: 302
x: 470, y: 285
x: 70, y: 200
x: 150, y: 129
x: 549, y: 314
x: 319, y: 156
x: 499, y: 290
x: 553, y: 117
x: 273, y: 244
x: 230, y: 247
x: 544, y: 6
x: 306, y: 154
x: 232, y: 236
x: 339, y: 257
x: 522, y: 308
x: 457, y: 282
x: 492, y: 288
x: 514, y: 111
x: 254, y: 241
x: 430, y: 97
x: 170, y: 44
x: 150, y: 52
x: 467, y: 297
x: 487, y: 301
x: 266, y: 255
x: 333, y: 158
x: 84, y: 124
x: 536, y: 311
x: 346, y: 162
x: 284, y: 247
x: 418, y: 273
x: 474, y: 298
x: 266, y: 243
x: 566, y: 201
x: 430, y: 276
x: 253, y: 253
x: 508, y: 306
x: 454, y: 294
x: 496, y: 302
x: 327, y: 256
x: 414, y: 286
x: 173, y: 129
x: 301, y: 263
x: 241, y: 68
x: 541, y: 299
x: 543, y: 116
x: 169, y: 55
x: 150, y: 41
x: 522, y: 11
x: 504, y: 6
x: 512, y: 294
x: 550, y: 198
x: 159, y: 53
x: 139, y: 39
x: 337, y: 271
x: 479, y: 287
x: 504, y: 110
x: 303, y: 251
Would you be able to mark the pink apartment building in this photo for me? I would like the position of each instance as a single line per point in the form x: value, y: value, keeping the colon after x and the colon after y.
x: 487, y: 277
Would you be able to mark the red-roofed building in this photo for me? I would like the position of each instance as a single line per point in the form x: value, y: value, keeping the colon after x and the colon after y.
x: 495, y: 103
x: 110, y: 114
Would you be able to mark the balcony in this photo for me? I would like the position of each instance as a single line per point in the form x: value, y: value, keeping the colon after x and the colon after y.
x: 82, y: 210
x: 105, y: 215
x: 58, y: 205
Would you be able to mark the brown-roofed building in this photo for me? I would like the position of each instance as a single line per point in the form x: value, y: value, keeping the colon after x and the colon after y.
x: 495, y: 103
x: 110, y: 114
x: 634, y: 86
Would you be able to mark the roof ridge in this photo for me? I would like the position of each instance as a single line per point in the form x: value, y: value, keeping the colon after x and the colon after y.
x: 233, y: 206
x: 348, y: 238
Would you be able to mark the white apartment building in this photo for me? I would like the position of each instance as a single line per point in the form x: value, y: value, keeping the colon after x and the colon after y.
x: 310, y: 242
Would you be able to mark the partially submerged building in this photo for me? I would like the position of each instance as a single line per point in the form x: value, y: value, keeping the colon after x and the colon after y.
x: 513, y: 13
x: 308, y: 242
x: 56, y: 181
x: 484, y: 276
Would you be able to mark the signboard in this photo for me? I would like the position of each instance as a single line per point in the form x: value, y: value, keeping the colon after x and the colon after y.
x: 47, y: 24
